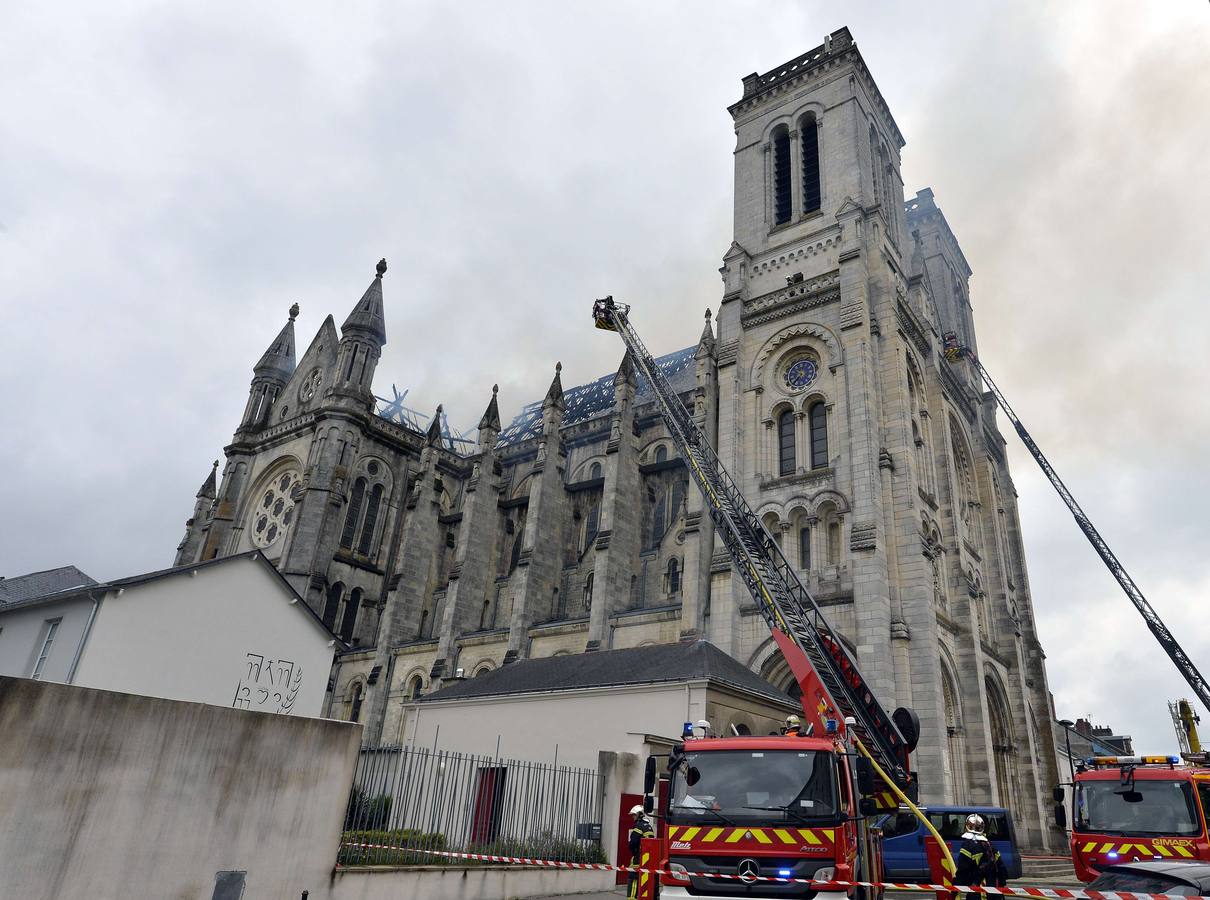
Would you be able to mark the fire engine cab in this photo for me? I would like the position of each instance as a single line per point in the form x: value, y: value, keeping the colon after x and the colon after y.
x: 1138, y: 807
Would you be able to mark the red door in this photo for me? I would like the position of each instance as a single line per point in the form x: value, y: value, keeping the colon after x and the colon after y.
x: 625, y: 820
x: 485, y: 820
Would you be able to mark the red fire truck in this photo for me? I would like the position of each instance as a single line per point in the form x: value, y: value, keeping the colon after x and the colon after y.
x: 745, y: 809
x: 1138, y: 807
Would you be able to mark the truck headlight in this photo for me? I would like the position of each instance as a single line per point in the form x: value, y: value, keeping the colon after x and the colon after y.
x: 677, y: 872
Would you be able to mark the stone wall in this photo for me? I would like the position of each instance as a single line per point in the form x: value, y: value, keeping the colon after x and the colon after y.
x: 111, y: 795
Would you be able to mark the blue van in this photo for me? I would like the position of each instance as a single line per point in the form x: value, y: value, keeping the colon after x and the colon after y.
x: 903, y: 837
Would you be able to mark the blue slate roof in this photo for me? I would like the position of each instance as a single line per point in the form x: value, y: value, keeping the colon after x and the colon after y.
x: 587, y: 401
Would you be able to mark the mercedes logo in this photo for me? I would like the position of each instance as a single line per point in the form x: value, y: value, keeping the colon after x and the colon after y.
x: 748, y: 870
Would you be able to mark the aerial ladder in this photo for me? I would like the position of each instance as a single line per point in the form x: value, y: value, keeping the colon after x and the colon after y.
x: 840, y: 693
x: 1185, y: 721
x: 955, y: 352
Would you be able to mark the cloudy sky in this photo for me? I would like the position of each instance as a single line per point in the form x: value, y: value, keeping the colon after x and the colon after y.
x: 174, y: 176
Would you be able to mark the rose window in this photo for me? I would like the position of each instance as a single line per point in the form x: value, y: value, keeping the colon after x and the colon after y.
x: 274, y: 509
x: 310, y: 385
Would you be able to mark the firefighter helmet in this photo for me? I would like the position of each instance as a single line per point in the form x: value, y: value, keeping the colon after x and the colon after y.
x: 974, y: 823
x: 637, y: 809
x: 793, y: 722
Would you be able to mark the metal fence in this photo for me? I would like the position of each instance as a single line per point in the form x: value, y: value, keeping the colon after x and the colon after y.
x: 412, y: 800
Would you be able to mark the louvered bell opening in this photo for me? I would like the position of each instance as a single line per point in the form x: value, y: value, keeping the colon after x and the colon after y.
x: 782, y: 204
x: 811, y: 194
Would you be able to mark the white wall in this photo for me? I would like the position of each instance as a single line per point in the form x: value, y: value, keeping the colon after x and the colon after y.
x: 581, y: 723
x: 226, y: 635
x: 23, y: 631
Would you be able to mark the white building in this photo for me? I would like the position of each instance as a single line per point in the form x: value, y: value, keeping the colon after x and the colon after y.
x: 228, y: 632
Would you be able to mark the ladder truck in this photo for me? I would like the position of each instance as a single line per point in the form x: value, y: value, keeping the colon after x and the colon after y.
x: 748, y: 816
x: 1125, y: 807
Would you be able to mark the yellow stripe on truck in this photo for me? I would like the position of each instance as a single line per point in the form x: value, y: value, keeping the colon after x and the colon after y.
x: 784, y: 836
x: 759, y: 834
x: 1183, y: 851
x: 690, y: 833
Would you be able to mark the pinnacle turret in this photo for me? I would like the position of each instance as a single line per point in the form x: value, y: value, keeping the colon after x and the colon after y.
x: 433, y: 435
x: 705, y: 344
x: 278, y: 360
x: 367, y: 316
x: 626, y: 373
x: 209, y: 488
x: 554, y: 396
x: 491, y: 415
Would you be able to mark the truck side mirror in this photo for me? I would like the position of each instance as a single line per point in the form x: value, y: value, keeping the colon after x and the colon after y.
x: 867, y: 806
x: 1058, y: 793
x: 649, y: 804
x: 908, y: 723
x: 649, y: 776
x: 1061, y: 816
x: 865, y: 777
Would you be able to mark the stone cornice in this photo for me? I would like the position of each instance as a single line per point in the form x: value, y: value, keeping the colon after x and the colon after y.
x: 912, y: 328
x: 792, y: 299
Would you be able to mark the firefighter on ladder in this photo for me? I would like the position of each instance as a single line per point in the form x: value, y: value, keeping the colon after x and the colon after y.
x: 642, y: 828
x: 979, y: 863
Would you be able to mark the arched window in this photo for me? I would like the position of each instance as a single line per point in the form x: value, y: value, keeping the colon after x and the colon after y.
x: 1002, y: 746
x: 367, y: 529
x: 804, y: 548
x: 661, y: 453
x: 782, y: 199
x: 817, y: 421
x: 274, y: 509
x: 592, y: 522
x: 354, y: 514
x: 674, y: 577
x: 415, y: 686
x: 349, y: 622
x: 811, y: 194
x: 953, y: 731
x: 742, y: 729
x: 588, y: 592
x: 659, y: 518
x: 595, y: 471
x: 785, y: 443
x: 332, y: 606
x: 355, y: 711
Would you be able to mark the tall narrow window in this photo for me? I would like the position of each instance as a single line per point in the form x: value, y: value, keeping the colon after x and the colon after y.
x: 785, y: 443
x: 811, y: 194
x: 591, y: 524
x: 659, y: 519
x: 354, y: 514
x: 355, y: 712
x: 674, y: 577
x: 782, y: 199
x: 332, y: 606
x: 588, y: 592
x: 52, y: 628
x: 804, y: 548
x: 594, y: 472
x: 415, y: 686
x: 818, y: 423
x: 367, y: 529
x: 661, y: 453
x: 349, y: 622
x: 834, y: 543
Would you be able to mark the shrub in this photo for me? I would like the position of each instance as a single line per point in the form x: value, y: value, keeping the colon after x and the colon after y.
x: 367, y: 812
x: 546, y: 845
x: 401, y: 840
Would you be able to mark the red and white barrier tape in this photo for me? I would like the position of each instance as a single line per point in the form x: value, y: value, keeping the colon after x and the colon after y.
x: 1052, y: 893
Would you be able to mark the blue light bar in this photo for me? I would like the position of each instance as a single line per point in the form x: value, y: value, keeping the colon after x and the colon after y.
x: 784, y: 873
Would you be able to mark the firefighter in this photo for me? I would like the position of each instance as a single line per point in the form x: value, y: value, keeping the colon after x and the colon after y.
x: 793, y: 726
x: 642, y: 828
x: 979, y: 863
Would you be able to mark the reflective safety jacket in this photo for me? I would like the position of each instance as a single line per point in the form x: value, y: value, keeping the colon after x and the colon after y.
x: 639, y: 830
x: 979, y: 863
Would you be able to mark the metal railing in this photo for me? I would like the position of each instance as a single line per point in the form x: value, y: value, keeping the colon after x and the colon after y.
x: 407, y: 800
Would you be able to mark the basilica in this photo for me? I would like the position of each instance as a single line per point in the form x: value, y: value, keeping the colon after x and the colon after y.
x: 574, y: 527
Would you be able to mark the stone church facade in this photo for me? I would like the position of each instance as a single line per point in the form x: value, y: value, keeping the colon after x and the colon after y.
x: 877, y: 465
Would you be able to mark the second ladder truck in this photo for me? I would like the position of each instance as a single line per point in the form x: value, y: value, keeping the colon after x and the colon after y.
x: 748, y: 815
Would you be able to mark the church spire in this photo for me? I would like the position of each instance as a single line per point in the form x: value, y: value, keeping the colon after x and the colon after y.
x: 367, y: 316
x: 279, y: 358
x: 209, y: 488
x: 361, y: 340
x: 491, y: 415
x: 270, y: 376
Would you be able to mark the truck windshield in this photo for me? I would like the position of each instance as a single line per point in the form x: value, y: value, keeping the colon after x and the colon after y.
x: 746, y: 786
x: 1165, y: 807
